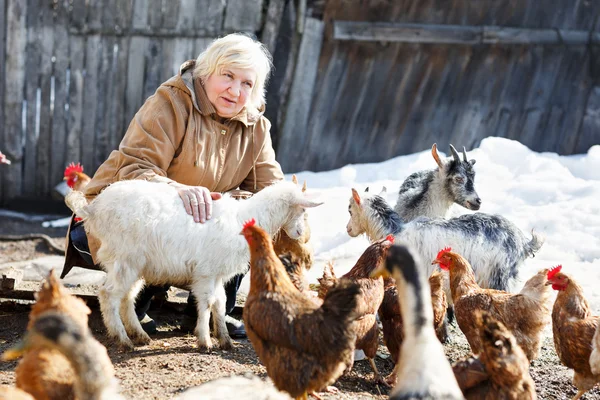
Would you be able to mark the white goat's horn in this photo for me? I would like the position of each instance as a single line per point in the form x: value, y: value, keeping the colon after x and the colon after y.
x: 465, y: 154
x: 455, y: 154
x: 306, y: 203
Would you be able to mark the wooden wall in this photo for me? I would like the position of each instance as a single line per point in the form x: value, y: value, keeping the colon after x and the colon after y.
x: 404, y: 89
x: 354, y: 81
x: 74, y: 72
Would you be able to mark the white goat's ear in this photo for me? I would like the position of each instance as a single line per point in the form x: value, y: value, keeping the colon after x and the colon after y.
x: 307, y: 203
x: 383, y: 190
x: 356, y: 196
x: 294, y: 179
x: 436, y: 156
x: 472, y: 162
x: 367, y: 189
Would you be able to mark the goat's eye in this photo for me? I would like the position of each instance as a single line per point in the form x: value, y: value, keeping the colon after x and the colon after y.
x: 459, y: 180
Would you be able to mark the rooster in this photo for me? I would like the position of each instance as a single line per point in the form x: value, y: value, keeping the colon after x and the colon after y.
x: 423, y: 370
x: 502, y: 369
x: 370, y: 299
x: 75, y: 177
x: 595, y: 357
x: 45, y: 372
x: 525, y: 313
x: 305, y: 347
x: 573, y: 326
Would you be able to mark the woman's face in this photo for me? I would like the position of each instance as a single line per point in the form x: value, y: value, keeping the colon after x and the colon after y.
x: 229, y: 90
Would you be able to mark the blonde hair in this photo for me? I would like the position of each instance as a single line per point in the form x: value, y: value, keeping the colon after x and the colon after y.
x: 237, y: 50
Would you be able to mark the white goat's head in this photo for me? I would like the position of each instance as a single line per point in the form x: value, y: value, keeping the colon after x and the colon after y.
x: 296, y: 223
x: 358, y: 222
x: 459, y: 177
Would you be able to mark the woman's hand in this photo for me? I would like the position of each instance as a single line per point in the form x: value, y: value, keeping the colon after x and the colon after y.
x: 197, y: 200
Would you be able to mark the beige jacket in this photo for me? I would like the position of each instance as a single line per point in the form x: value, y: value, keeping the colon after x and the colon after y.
x: 176, y: 136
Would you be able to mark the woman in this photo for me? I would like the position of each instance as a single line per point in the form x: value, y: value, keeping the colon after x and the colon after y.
x: 203, y: 131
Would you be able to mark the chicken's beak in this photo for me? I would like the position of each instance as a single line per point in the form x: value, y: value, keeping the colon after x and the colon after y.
x: 548, y: 283
x: 17, y: 350
x: 380, y: 271
x: 436, y: 261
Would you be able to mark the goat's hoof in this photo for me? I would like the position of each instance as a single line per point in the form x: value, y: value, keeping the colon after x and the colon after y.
x: 126, y: 345
x: 205, y: 346
x: 225, y: 344
x: 142, y: 340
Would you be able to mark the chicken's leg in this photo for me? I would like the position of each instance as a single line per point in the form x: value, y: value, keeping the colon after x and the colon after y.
x: 579, y: 394
x: 378, y: 377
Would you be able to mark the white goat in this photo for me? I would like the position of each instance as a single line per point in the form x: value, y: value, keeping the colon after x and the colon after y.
x: 146, y: 235
x: 431, y: 193
x: 494, y: 246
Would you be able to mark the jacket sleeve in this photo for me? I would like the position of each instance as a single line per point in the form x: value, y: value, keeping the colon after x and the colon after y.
x: 149, y: 145
x: 266, y: 169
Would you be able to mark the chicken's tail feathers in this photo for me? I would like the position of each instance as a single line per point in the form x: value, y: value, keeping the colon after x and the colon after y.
x: 77, y: 202
x: 341, y: 301
x: 536, y: 242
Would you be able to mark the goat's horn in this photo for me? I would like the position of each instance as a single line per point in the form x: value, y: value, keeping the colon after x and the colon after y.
x: 465, y: 154
x: 455, y: 154
x: 304, y: 187
x: 435, y: 155
x: 294, y: 179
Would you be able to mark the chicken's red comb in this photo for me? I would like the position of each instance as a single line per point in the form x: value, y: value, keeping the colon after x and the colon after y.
x: 72, y: 169
x: 249, y: 223
x: 552, y: 273
x: 443, y: 251
x: 390, y: 238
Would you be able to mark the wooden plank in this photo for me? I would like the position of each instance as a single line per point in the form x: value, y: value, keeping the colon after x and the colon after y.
x: 104, y: 93
x: 78, y: 15
x: 208, y: 19
x: 123, y: 14
x: 140, y: 14
x: 59, y: 120
x: 136, y: 64
x: 299, y: 105
x: 43, y: 182
x: 118, y: 98
x: 94, y: 14
x: 183, y: 50
x: 589, y: 133
x: 170, y: 14
x: 272, y: 24
x: 155, y: 13
x: 458, y: 34
x: 243, y: 15
x: 152, y: 72
x: 93, y: 51
x: 2, y: 80
x: 32, y: 92
x: 76, y: 85
x: 16, y: 41
x: 185, y: 19
x: 167, y: 63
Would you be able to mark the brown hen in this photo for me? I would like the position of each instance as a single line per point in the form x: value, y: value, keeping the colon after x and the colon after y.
x: 525, y: 313
x: 43, y: 372
x: 573, y: 326
x: 304, y: 347
x: 370, y: 299
x: 501, y: 371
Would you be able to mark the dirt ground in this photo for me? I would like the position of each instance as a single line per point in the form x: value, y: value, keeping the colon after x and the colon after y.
x: 172, y: 363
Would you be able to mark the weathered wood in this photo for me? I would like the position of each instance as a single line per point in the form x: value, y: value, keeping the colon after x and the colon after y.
x: 589, y: 133
x: 170, y: 14
x: 2, y: 80
x: 45, y: 107
x: 104, y: 92
x: 94, y: 14
x: 135, y: 76
x: 152, y: 72
x: 155, y: 13
x: 304, y: 78
x: 11, y: 278
x: 78, y: 15
x: 59, y: 119
x: 123, y: 13
x: 458, y: 34
x: 272, y: 24
x: 117, y: 120
x: 93, y: 51
x: 185, y: 19
x: 76, y: 83
x: 243, y: 15
x: 32, y: 96
x: 140, y: 15
x: 208, y: 20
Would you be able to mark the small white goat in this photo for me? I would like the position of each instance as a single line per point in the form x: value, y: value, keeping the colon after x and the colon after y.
x: 431, y: 193
x: 146, y: 235
x: 494, y: 246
